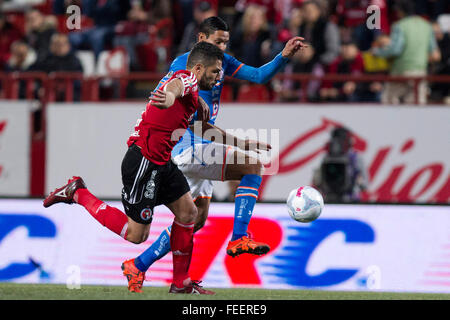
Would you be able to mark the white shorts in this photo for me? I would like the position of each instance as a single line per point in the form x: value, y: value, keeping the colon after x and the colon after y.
x: 203, y: 164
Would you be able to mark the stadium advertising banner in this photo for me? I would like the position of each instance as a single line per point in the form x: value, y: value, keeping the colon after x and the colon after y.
x: 349, y: 247
x: 14, y: 148
x: 405, y: 149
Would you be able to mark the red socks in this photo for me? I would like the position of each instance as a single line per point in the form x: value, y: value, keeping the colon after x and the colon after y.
x: 182, y: 243
x: 110, y: 217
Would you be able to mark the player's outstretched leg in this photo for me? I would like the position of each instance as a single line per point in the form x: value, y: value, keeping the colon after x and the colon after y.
x: 65, y: 194
x: 75, y: 191
x: 245, y: 200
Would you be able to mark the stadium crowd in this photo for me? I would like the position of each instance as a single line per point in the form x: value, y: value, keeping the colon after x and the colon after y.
x: 404, y: 38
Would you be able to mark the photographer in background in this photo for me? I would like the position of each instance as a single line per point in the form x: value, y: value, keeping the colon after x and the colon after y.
x: 342, y: 175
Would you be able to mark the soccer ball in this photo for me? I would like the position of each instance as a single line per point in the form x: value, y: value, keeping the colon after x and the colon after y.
x: 305, y: 204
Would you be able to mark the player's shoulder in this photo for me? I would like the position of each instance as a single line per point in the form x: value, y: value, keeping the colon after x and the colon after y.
x: 180, y: 62
x: 230, y: 64
x: 188, y: 79
x: 185, y: 74
x: 228, y: 58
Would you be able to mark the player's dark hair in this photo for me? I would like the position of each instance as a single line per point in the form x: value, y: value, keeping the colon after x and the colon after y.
x: 204, y: 53
x: 211, y: 25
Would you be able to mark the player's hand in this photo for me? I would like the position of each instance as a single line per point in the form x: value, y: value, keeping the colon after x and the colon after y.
x: 254, y: 145
x: 203, y: 110
x: 162, y: 99
x: 292, y: 46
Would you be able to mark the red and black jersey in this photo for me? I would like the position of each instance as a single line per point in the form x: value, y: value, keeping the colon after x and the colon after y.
x: 158, y: 130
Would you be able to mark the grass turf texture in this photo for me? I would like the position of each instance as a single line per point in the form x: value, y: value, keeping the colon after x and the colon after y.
x: 13, y: 291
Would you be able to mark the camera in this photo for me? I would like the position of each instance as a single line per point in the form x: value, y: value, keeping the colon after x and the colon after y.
x: 338, y: 173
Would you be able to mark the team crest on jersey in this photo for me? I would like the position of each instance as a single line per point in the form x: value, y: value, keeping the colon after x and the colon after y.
x: 146, y: 214
x: 215, y: 110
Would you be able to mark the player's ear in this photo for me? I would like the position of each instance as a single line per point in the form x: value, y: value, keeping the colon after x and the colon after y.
x: 202, y: 37
x: 199, y: 69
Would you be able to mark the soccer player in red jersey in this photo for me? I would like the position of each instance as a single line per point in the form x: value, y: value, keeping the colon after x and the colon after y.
x: 149, y: 176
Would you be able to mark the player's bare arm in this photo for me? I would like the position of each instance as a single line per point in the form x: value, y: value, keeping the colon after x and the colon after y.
x: 165, y: 99
x: 292, y: 46
x: 232, y: 140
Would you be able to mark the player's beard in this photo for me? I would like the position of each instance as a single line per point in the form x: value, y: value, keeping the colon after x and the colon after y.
x: 206, y: 83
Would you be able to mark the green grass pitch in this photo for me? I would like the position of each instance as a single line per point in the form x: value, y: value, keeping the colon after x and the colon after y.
x: 13, y: 291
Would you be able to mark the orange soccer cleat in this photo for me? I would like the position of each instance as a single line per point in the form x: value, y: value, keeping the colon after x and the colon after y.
x: 193, y: 288
x: 246, y: 245
x: 134, y: 276
x: 65, y: 193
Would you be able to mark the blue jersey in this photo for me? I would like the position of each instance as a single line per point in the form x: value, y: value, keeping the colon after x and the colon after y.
x: 230, y: 67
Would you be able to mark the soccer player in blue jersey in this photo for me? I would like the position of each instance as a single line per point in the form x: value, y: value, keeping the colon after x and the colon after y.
x: 193, y: 154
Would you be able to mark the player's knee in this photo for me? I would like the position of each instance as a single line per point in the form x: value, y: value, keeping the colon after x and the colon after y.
x: 189, y: 215
x: 137, y: 238
x: 256, y: 169
x: 192, y: 213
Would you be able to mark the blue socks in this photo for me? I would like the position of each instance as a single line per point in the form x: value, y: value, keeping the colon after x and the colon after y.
x: 246, y: 195
x: 156, y: 251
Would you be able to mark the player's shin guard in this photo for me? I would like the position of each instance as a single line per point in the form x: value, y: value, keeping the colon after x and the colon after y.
x: 245, y: 199
x: 110, y: 217
x: 182, y: 243
x: 156, y: 251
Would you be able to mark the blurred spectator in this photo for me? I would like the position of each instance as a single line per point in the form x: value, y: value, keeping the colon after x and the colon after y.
x: 147, y: 34
x: 342, y: 175
x: 441, y: 91
x: 133, y: 32
x: 60, y: 58
x: 272, y: 8
x: 352, y: 19
x: 39, y: 29
x: 8, y: 34
x: 105, y: 14
x: 322, y: 34
x: 412, y: 46
x: 251, y: 40
x: 290, y: 28
x: 22, y: 57
x: 349, y: 62
x: 301, y: 62
x: 203, y: 10
x: 371, y: 91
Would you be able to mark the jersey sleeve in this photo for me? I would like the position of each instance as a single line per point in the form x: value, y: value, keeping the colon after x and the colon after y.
x: 189, y: 83
x: 232, y: 65
x: 262, y: 74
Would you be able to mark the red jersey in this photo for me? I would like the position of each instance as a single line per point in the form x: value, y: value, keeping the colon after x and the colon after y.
x: 158, y: 130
